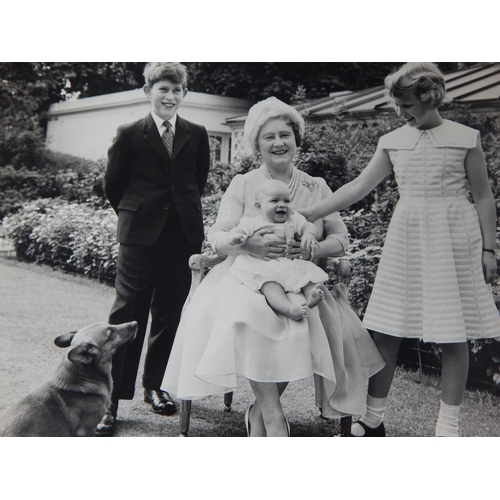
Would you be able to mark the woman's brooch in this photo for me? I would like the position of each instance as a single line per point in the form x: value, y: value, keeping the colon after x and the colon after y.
x: 311, y: 185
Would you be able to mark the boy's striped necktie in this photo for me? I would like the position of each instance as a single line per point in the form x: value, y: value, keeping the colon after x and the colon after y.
x: 168, y: 137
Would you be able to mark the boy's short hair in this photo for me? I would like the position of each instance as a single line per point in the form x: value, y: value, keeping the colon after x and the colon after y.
x: 173, y: 71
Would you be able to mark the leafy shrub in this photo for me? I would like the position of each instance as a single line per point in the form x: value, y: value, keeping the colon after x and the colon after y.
x: 219, y: 177
x: 21, y: 148
x: 69, y: 177
x: 338, y: 151
x: 83, y: 183
x: 19, y: 186
x: 69, y: 236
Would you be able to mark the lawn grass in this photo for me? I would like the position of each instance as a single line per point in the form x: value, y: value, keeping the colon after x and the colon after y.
x: 37, y: 304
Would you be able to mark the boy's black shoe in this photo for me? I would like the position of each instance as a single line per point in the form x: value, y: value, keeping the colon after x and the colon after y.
x: 160, y: 401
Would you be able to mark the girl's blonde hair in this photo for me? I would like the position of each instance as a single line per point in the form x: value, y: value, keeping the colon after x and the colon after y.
x: 422, y: 80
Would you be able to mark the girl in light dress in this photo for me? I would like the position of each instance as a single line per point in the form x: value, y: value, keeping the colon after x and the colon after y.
x: 275, y: 277
x: 438, y: 259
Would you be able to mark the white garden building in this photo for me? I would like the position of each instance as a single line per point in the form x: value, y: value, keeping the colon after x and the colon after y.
x: 86, y: 127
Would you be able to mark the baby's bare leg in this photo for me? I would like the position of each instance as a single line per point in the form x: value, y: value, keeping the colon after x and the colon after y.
x: 279, y: 301
x: 314, y: 294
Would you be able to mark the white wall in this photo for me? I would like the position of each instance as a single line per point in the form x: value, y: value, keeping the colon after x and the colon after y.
x: 86, y: 127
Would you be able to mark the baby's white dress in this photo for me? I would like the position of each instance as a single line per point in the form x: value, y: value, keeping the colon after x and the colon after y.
x: 292, y: 275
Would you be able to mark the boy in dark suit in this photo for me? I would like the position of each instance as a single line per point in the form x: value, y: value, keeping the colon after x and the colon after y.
x: 157, y: 170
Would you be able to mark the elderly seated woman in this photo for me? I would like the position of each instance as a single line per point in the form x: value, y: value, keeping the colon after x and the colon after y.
x: 229, y: 329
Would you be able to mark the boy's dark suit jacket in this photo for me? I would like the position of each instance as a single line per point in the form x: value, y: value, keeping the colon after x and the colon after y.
x: 142, y: 183
x: 154, y: 196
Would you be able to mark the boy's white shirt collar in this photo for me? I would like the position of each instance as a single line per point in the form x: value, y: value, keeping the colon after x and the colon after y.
x: 159, y: 122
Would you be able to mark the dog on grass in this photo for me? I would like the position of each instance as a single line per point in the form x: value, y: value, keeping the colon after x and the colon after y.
x: 74, y: 400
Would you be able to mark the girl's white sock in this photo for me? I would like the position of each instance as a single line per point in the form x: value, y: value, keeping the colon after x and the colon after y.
x: 375, y: 409
x: 447, y: 423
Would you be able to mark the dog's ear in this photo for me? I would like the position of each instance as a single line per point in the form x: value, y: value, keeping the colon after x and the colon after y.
x: 85, y: 353
x: 65, y: 339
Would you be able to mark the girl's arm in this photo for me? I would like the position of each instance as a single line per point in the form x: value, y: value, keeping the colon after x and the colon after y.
x: 331, y: 228
x: 328, y: 247
x: 311, y: 229
x: 477, y: 175
x: 378, y: 168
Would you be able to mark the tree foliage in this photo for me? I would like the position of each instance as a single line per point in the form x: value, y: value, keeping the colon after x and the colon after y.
x: 258, y: 80
x: 28, y: 88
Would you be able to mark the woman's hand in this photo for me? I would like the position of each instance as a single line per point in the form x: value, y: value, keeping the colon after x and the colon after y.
x: 265, y: 245
x: 489, y: 267
x: 295, y: 251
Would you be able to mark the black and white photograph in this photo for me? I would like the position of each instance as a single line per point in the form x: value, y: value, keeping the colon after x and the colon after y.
x: 214, y: 249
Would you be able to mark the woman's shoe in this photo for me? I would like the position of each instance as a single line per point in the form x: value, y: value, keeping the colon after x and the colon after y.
x: 369, y: 432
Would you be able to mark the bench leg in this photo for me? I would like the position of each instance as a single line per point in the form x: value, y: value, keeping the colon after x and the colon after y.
x: 185, y: 414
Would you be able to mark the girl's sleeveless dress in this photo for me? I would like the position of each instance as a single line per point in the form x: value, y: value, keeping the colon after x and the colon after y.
x: 429, y: 283
x: 292, y: 275
x: 227, y: 329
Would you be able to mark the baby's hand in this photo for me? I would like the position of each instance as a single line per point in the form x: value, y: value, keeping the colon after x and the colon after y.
x: 237, y: 240
x: 309, y: 242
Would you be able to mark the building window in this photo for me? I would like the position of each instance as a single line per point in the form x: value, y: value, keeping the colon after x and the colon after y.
x: 217, y: 140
